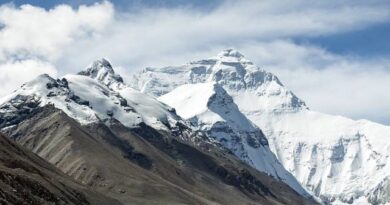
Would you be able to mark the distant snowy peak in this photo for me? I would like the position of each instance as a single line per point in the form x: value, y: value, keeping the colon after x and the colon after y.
x: 102, y: 71
x: 230, y: 69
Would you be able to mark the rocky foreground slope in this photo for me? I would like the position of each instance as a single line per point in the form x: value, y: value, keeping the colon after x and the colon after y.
x: 27, y: 179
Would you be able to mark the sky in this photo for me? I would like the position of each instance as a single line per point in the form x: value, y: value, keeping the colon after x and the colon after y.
x: 335, y: 54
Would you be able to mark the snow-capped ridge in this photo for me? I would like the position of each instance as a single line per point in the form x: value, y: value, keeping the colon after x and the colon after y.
x: 44, y: 90
x: 96, y: 93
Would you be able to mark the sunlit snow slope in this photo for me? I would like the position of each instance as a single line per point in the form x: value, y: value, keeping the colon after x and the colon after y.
x: 340, y: 160
x: 212, y: 111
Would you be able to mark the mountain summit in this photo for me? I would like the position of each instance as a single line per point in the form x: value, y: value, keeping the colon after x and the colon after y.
x: 340, y: 160
x: 231, y: 70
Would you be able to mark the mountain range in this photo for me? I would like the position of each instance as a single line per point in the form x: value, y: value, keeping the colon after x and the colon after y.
x: 215, y: 131
x: 90, y: 138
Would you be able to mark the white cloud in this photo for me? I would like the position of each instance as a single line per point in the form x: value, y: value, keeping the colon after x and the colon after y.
x: 71, y: 38
x: 172, y: 35
x: 33, y: 31
x: 32, y: 38
x: 14, y: 74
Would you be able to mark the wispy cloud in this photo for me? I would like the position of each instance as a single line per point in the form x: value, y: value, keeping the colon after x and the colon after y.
x: 69, y: 39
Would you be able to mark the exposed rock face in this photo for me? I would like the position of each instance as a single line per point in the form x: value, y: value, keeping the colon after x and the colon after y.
x: 27, y: 179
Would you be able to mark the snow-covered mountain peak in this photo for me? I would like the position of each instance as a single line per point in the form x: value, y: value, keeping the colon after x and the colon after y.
x: 340, y: 160
x: 102, y: 71
x: 242, y: 79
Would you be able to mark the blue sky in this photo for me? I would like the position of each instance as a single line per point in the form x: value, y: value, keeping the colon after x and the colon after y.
x: 333, y: 54
x: 367, y: 42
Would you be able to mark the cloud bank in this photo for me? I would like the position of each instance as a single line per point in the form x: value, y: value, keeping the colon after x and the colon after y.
x: 62, y: 40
